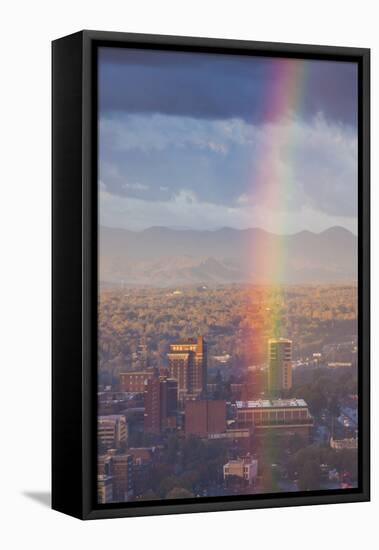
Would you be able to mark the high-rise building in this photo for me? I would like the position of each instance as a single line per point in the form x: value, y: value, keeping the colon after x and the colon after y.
x: 160, y: 403
x: 204, y: 417
x: 152, y: 399
x: 279, y: 364
x: 142, y: 355
x: 104, y: 465
x: 169, y: 402
x: 187, y: 363
x: 112, y: 431
x: 143, y: 459
x: 104, y: 489
x: 115, y: 469
x: 122, y: 474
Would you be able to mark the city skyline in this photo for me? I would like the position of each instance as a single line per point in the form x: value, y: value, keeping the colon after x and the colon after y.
x: 227, y: 297
x: 245, y: 429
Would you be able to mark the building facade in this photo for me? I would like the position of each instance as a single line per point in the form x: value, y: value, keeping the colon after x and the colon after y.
x: 104, y: 489
x: 135, y: 381
x: 122, y: 475
x: 282, y: 417
x: 279, y: 365
x: 204, y: 417
x: 246, y: 469
x: 160, y: 404
x: 116, y: 470
x: 347, y: 443
x: 112, y: 431
x: 187, y: 363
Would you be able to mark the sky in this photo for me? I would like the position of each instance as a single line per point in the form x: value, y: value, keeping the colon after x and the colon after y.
x: 189, y: 140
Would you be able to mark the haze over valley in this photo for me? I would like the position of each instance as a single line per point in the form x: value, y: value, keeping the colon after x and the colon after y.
x: 164, y: 257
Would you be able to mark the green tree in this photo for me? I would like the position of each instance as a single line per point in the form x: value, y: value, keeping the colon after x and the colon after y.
x: 149, y: 495
x: 179, y: 492
x: 167, y: 484
x: 296, y: 442
x: 309, y: 478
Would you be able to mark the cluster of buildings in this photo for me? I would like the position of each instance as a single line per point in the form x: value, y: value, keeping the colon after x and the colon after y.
x: 122, y: 474
x: 175, y: 399
x: 168, y: 390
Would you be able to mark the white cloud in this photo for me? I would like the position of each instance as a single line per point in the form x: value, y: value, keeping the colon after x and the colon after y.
x: 217, y: 147
x: 186, y: 210
x: 137, y: 186
x: 159, y: 132
x: 243, y: 199
x: 297, y: 172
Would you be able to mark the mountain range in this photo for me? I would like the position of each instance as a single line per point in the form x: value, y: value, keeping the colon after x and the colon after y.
x: 167, y: 257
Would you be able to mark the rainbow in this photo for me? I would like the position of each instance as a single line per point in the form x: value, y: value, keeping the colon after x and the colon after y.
x: 272, y: 185
x: 272, y: 177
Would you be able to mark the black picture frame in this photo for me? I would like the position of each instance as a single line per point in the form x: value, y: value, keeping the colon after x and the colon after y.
x: 74, y: 273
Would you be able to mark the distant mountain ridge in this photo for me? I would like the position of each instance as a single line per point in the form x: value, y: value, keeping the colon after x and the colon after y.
x: 161, y: 256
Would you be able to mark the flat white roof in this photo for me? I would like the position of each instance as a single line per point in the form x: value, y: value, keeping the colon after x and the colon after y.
x: 245, y: 461
x: 271, y: 403
x: 102, y: 418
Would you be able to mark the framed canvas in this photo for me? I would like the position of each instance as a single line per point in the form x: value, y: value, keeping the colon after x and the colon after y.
x: 210, y: 275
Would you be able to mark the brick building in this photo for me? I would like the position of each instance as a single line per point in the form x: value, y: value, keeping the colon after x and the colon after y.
x: 205, y: 417
x: 160, y: 404
x: 187, y: 362
x: 135, y: 381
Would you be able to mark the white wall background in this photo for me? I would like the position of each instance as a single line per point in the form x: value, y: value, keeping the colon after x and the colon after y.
x: 26, y: 31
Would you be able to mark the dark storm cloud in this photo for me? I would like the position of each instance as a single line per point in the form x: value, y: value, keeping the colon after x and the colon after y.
x: 219, y: 86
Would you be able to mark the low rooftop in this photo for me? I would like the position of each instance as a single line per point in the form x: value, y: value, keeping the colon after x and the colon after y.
x: 239, y: 461
x: 279, y: 341
x: 271, y: 403
x: 104, y: 418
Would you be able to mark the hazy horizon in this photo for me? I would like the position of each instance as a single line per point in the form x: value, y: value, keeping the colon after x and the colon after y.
x: 225, y: 228
x: 162, y: 256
